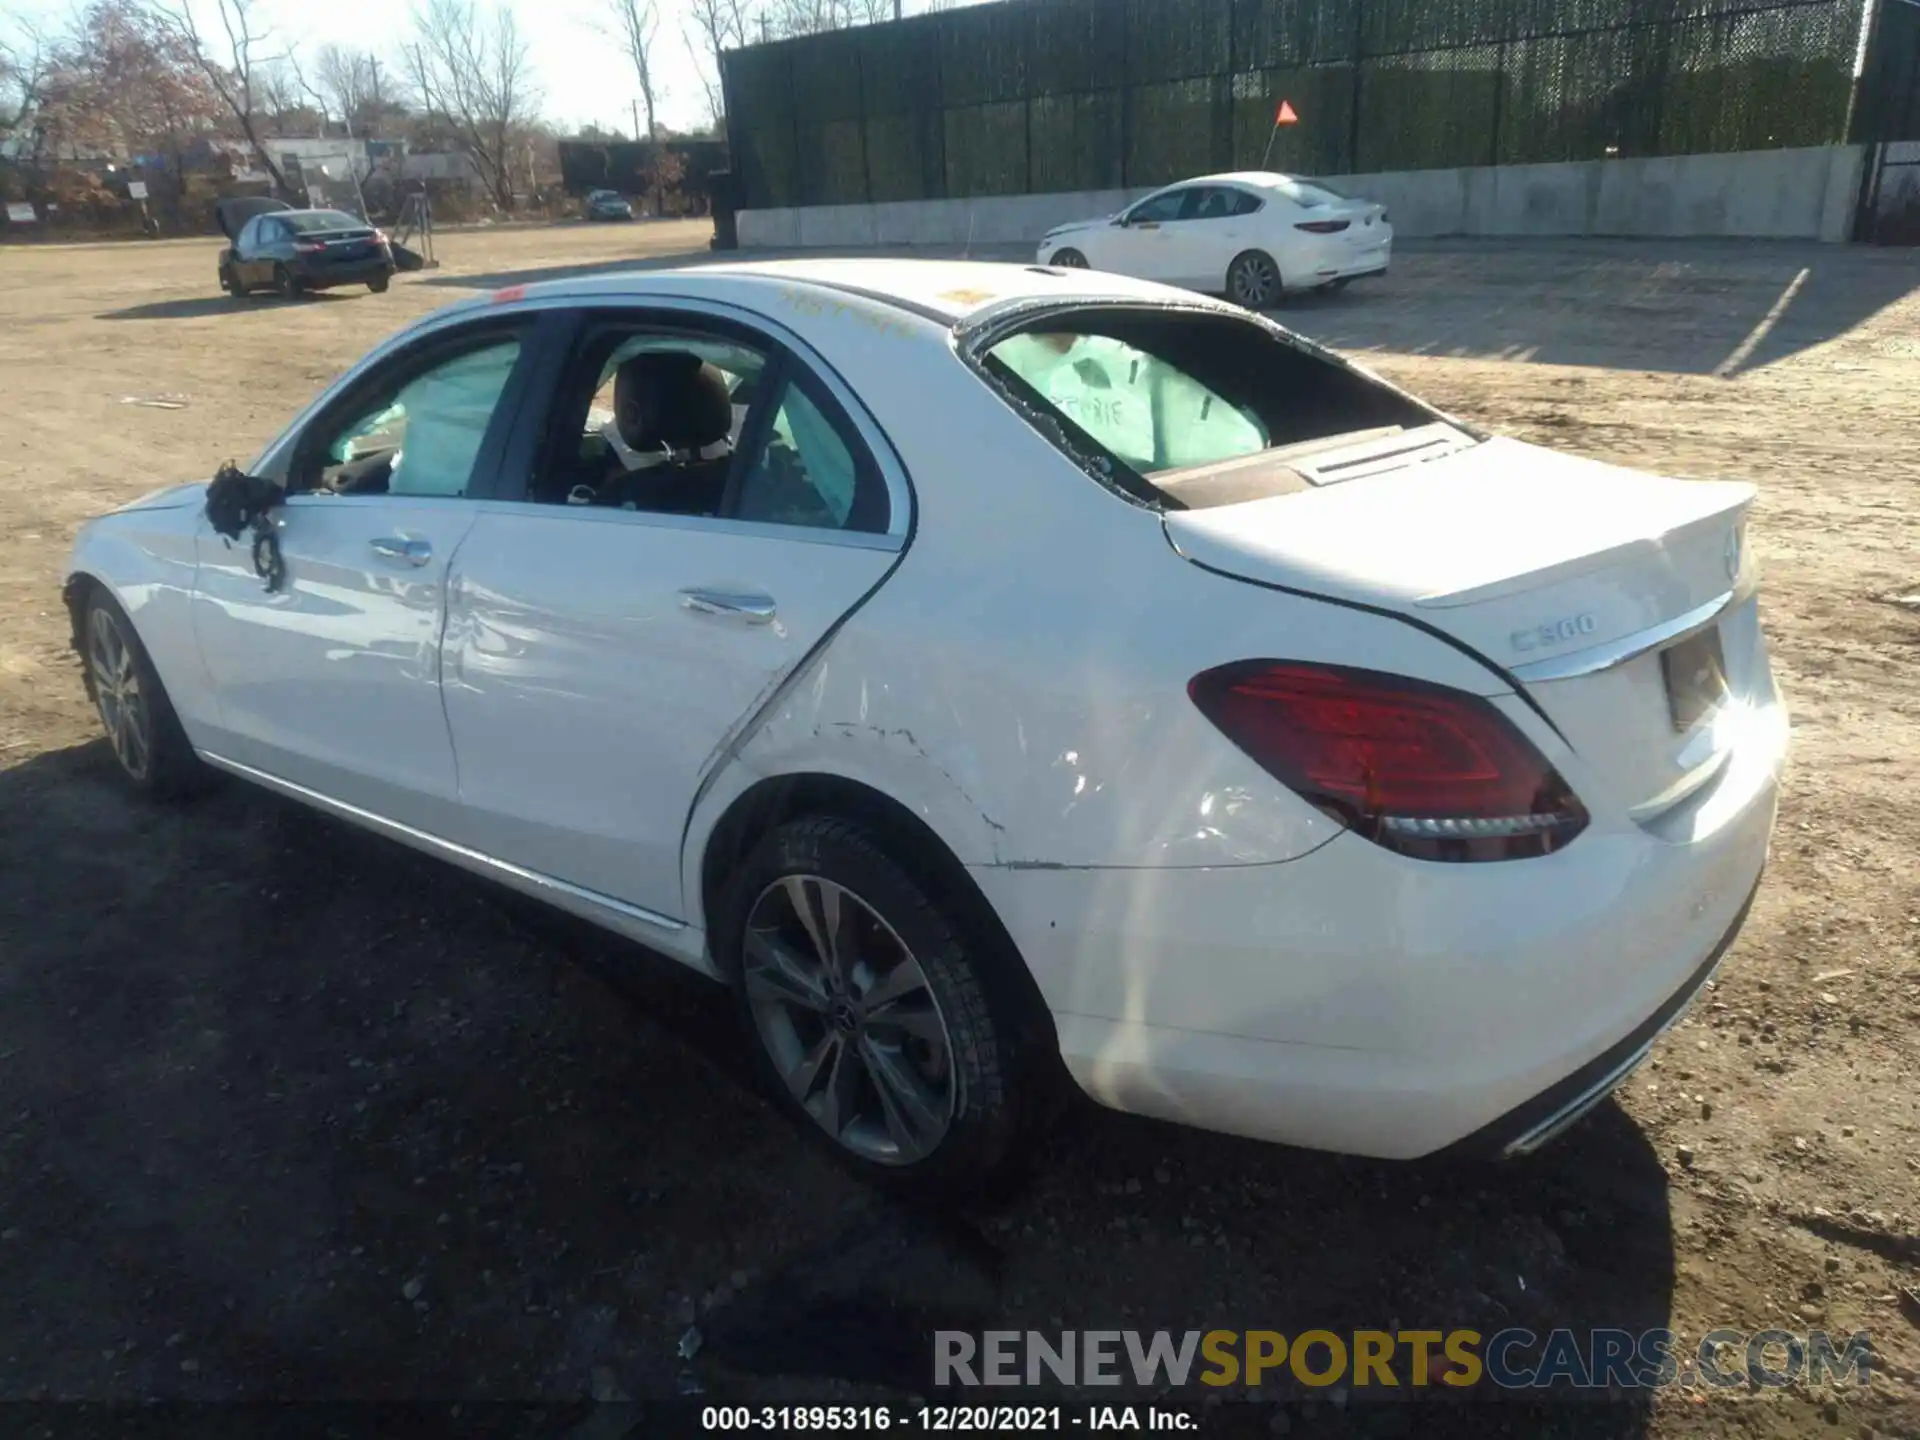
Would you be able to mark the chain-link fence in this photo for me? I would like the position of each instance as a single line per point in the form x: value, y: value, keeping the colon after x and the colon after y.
x: 1031, y: 96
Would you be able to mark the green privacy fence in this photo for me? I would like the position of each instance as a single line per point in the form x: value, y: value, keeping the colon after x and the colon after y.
x: 1030, y: 96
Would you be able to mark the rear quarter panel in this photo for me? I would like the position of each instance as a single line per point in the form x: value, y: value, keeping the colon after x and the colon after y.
x: 1020, y: 680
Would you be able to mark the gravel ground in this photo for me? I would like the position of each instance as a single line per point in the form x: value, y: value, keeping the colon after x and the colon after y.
x: 288, y: 1113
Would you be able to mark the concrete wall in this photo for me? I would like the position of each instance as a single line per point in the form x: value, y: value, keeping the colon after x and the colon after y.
x: 1805, y: 194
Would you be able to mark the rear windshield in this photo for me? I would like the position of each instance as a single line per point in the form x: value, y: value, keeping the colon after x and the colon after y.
x: 1175, y: 395
x: 306, y: 222
x: 1310, y: 192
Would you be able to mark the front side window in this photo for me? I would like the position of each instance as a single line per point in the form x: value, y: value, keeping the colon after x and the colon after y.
x: 1173, y: 395
x: 422, y: 435
x: 1158, y: 209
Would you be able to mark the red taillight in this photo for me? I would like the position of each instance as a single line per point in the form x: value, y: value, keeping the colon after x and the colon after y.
x: 1322, y: 227
x: 1427, y: 771
x: 309, y: 247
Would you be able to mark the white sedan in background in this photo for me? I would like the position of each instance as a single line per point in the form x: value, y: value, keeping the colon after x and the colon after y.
x: 1252, y: 236
x: 987, y: 672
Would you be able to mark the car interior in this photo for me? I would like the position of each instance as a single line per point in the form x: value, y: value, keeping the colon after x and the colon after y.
x: 423, y: 438
x: 1174, y: 398
x: 657, y: 429
x: 648, y: 421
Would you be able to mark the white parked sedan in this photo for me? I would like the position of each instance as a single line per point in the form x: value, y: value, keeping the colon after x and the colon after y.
x: 990, y: 671
x: 1252, y: 236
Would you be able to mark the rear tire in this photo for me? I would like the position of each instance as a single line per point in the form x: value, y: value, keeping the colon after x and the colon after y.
x: 378, y: 285
x: 229, y: 284
x: 875, y: 1021
x: 1253, y: 280
x: 1069, y: 259
x: 284, y: 285
x: 144, y: 733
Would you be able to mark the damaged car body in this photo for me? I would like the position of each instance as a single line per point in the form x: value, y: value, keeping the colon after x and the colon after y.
x: 995, y: 674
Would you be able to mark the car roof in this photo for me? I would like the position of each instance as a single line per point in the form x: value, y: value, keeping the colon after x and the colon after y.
x: 948, y: 292
x: 1255, y: 179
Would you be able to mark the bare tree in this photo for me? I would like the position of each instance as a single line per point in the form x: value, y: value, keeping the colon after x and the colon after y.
x: 351, y: 79
x: 782, y: 18
x: 27, y: 64
x: 713, y: 26
x: 637, y: 25
x: 345, y: 80
x: 234, y: 61
x: 471, y: 68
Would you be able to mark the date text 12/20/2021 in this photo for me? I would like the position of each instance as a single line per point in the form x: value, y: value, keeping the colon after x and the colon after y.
x: 947, y: 1419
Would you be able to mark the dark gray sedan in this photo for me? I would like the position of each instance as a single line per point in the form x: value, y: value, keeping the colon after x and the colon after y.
x: 292, y: 251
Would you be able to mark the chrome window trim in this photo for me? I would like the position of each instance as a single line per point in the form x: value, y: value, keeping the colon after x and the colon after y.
x: 532, y: 880
x: 699, y: 524
x: 1595, y: 658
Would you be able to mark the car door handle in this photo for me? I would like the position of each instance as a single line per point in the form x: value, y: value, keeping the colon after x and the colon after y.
x: 392, y: 547
x: 751, y: 608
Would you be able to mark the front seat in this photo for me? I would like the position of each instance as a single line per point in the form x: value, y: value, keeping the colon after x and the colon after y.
x: 675, y: 417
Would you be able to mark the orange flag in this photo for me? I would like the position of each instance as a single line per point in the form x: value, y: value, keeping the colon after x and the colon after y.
x: 1285, y: 115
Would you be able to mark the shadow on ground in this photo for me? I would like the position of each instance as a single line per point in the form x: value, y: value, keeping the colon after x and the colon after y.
x: 202, y: 306
x: 1689, y: 307
x: 294, y: 1113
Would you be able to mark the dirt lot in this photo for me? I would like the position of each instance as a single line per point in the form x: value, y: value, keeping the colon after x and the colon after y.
x: 288, y: 1113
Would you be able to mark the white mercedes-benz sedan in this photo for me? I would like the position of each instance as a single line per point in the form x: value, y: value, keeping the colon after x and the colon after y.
x: 1253, y: 236
x: 994, y: 673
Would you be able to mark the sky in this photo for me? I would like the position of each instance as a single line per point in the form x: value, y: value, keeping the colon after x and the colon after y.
x: 584, y: 76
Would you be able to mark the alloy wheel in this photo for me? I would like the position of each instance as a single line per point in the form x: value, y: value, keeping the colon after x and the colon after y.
x: 118, y: 695
x: 1254, y: 281
x: 1070, y: 260
x: 849, y: 1020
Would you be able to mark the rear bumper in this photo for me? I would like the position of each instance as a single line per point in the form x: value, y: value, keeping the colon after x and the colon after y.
x: 358, y: 272
x: 1357, y: 266
x: 1353, y: 1000
x: 1528, y: 1126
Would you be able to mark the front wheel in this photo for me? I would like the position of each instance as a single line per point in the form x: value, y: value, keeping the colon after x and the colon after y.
x: 284, y: 285
x: 154, y: 753
x: 1253, y: 280
x: 1070, y: 259
x: 378, y: 285
x: 876, y: 1022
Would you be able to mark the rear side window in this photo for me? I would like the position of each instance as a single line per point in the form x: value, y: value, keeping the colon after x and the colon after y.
x: 1197, y: 408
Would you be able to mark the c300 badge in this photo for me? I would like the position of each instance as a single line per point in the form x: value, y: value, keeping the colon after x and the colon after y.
x: 1555, y: 632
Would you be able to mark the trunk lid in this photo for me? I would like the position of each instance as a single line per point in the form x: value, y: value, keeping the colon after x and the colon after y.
x: 236, y: 210
x: 1570, y: 574
x: 359, y: 243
